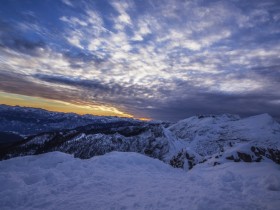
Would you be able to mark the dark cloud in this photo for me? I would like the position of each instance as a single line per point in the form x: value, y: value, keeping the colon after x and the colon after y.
x: 20, y: 84
x: 11, y: 37
x: 108, y: 92
x: 78, y: 58
x: 93, y: 85
x: 202, y: 103
x: 272, y: 73
x: 192, y: 101
x: 24, y: 46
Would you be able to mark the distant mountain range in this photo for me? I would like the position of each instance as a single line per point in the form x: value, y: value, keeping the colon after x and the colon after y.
x: 212, y: 139
x: 27, y: 121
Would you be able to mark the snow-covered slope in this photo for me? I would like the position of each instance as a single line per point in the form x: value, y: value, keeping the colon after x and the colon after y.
x: 133, y: 181
x: 210, y: 134
x: 216, y: 139
x: 97, y: 139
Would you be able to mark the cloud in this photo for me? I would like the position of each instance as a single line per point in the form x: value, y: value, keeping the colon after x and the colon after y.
x: 20, y: 84
x: 94, y: 85
x: 11, y: 38
x: 73, y: 21
x: 68, y: 3
x: 203, y: 103
x: 123, y: 19
x: 75, y: 39
x: 102, y: 91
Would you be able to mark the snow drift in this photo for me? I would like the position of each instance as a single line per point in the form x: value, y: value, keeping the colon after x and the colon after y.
x: 133, y: 181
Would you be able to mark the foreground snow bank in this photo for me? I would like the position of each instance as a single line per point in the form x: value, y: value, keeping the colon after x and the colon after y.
x: 133, y: 181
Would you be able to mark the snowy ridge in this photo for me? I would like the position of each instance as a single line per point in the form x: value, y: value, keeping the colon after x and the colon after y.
x: 216, y: 139
x: 88, y: 141
x: 210, y: 139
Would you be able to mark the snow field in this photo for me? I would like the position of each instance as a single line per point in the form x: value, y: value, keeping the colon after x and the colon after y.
x: 133, y: 181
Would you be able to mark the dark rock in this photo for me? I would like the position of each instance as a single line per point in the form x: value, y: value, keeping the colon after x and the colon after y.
x: 230, y: 157
x: 274, y: 155
x: 245, y: 157
x: 177, y: 161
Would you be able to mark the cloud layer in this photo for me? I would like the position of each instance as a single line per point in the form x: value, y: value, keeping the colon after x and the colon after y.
x: 159, y: 59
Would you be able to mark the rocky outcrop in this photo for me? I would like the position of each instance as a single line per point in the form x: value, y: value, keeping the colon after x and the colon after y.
x: 255, y: 154
x: 186, y: 159
x: 88, y: 141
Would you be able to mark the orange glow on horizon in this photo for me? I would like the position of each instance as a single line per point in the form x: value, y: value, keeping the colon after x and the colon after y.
x: 144, y: 119
x: 59, y: 106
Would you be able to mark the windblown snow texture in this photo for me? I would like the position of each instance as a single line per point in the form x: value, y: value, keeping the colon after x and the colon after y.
x: 133, y: 181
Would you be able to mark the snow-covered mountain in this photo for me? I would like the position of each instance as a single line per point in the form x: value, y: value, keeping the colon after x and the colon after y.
x: 212, y: 139
x: 97, y: 139
x: 217, y: 139
x: 17, y: 123
x: 121, y: 163
x: 26, y: 121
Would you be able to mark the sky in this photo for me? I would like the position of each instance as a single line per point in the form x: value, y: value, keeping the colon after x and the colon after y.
x: 155, y: 59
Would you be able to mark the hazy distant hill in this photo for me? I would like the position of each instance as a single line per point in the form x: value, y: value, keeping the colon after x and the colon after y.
x: 29, y: 121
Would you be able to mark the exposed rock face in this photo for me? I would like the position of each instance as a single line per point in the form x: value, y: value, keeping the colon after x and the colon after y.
x: 89, y: 141
x: 217, y: 139
x: 253, y: 154
x: 186, y: 159
x: 260, y: 153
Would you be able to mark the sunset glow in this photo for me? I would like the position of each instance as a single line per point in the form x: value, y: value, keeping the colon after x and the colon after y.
x: 59, y: 106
